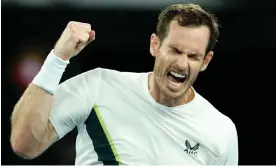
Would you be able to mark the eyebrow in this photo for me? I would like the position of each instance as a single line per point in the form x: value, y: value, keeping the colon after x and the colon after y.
x: 181, y: 50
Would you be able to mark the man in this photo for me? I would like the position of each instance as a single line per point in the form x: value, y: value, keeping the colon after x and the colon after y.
x: 154, y: 118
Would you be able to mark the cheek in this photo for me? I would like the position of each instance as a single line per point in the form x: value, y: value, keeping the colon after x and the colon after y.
x: 165, y: 61
x: 162, y: 62
x: 159, y: 64
x: 166, y: 58
x: 195, y: 68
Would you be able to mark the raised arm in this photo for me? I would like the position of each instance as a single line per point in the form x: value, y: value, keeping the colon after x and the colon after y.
x: 31, y: 130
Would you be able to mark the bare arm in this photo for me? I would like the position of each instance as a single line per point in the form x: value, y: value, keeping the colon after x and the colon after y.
x: 32, y: 132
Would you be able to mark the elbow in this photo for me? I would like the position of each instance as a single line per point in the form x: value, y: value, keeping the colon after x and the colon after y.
x: 22, y: 153
x: 22, y: 149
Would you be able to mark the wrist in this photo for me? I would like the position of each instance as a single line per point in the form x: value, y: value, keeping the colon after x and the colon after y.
x: 50, y: 74
x: 60, y: 55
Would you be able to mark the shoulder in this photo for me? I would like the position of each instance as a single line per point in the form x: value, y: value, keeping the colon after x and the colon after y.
x: 218, y: 124
x: 112, y: 73
x: 106, y: 73
x: 102, y: 74
x: 88, y: 77
x: 84, y: 85
x: 210, y: 111
x: 94, y: 79
x: 123, y: 78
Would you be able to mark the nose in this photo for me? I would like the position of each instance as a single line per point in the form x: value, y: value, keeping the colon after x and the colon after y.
x: 182, y: 62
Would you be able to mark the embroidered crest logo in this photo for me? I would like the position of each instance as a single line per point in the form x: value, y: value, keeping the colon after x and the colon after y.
x: 191, y: 150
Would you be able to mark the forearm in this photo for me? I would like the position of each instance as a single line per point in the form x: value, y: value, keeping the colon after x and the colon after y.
x: 30, y: 120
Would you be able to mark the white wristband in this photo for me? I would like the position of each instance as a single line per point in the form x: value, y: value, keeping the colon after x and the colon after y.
x: 50, y: 74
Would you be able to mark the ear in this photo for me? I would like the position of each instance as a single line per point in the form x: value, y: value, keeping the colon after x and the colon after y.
x: 154, y: 44
x: 207, y: 60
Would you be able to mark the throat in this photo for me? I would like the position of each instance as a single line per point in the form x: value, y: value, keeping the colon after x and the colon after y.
x: 173, y: 102
x: 170, y: 102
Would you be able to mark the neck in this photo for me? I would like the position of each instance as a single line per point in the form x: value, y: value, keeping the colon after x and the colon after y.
x: 164, y: 99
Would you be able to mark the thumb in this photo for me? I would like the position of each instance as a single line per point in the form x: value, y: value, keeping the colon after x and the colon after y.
x: 92, y: 36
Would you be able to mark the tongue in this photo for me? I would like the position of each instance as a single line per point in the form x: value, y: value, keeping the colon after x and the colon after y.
x: 174, y: 79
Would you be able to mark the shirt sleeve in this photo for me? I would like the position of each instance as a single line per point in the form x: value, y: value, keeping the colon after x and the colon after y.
x: 231, y: 157
x: 73, y: 101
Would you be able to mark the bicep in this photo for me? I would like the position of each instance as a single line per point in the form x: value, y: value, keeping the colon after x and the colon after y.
x: 73, y: 101
x: 51, y: 137
x: 67, y: 112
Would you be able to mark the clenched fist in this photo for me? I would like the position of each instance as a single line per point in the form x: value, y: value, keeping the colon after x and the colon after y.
x: 73, y: 39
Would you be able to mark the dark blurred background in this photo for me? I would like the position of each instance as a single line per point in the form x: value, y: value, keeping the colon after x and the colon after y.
x: 238, y: 81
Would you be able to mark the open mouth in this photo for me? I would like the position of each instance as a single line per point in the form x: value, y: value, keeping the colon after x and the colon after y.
x: 175, y: 77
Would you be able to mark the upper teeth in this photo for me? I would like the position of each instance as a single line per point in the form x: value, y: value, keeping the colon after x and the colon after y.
x: 177, y: 74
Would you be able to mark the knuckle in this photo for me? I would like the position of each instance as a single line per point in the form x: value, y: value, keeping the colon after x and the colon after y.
x: 78, y: 31
x: 71, y: 23
x: 88, y: 25
x: 71, y: 28
x: 85, y: 26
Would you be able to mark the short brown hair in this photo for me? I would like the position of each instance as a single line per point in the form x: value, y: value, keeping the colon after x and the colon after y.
x: 188, y: 15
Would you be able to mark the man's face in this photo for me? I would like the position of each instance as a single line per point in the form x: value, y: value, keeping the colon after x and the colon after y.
x: 180, y: 58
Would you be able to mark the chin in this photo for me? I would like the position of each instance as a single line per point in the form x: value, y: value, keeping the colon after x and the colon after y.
x: 173, y: 93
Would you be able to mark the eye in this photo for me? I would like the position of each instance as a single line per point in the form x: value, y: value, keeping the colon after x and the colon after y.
x: 194, y: 56
x: 176, y: 51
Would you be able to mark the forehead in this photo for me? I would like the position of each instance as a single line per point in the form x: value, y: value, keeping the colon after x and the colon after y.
x: 194, y: 39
